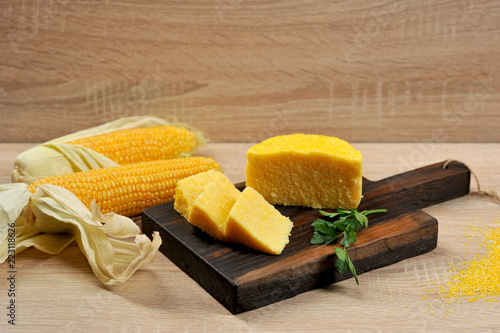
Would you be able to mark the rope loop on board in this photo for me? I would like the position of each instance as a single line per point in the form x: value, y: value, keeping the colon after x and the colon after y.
x: 491, y: 193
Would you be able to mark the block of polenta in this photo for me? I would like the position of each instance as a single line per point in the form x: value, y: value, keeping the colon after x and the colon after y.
x: 188, y: 190
x: 210, y: 210
x: 306, y: 170
x: 257, y: 224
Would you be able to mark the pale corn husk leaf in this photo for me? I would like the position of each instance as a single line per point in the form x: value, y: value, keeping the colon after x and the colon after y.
x: 112, y: 261
x: 131, y: 257
x: 13, y: 199
x: 113, y: 224
x: 54, y: 217
x: 47, y: 243
x: 55, y: 157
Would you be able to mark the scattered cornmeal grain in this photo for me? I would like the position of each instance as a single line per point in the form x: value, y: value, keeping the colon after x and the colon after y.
x: 210, y: 210
x: 257, y: 224
x: 475, y: 279
x: 188, y: 190
x: 480, y: 277
x: 306, y: 170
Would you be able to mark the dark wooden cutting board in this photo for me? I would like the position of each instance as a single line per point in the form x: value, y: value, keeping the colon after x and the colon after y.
x: 242, y: 279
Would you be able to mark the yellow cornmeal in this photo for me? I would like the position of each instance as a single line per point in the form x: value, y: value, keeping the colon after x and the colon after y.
x: 257, y: 224
x: 475, y: 279
x: 478, y: 278
x: 210, y: 210
x: 188, y: 190
x: 306, y: 170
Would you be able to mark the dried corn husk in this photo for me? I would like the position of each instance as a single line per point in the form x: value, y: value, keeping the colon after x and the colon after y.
x: 56, y: 157
x: 53, y: 217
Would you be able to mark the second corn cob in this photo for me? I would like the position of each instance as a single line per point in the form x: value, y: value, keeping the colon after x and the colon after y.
x: 129, y: 189
x: 142, y: 144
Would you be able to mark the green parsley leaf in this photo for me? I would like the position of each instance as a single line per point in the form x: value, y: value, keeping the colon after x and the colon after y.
x: 319, y: 238
x: 324, y: 232
x: 341, y: 262
x: 344, y: 223
x: 363, y: 220
x: 324, y: 227
x: 349, y: 238
x: 330, y: 215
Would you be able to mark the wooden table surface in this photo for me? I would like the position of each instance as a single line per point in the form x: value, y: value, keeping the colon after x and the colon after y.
x: 60, y: 293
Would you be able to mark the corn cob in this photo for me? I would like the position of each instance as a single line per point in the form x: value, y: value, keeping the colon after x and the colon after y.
x: 129, y: 189
x: 123, y: 141
x: 141, y: 144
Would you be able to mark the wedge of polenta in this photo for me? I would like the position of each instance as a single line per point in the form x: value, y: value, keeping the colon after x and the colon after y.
x: 210, y: 210
x: 188, y: 189
x: 257, y: 224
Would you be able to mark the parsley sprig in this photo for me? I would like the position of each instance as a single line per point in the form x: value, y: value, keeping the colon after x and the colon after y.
x: 343, y: 223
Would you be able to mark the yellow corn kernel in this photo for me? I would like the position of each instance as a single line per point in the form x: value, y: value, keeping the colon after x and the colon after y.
x: 142, y: 144
x: 129, y: 189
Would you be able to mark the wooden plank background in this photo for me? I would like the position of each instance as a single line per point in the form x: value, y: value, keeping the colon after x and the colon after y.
x: 244, y: 70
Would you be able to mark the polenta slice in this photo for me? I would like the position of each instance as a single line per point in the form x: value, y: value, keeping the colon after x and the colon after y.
x: 306, y: 170
x: 257, y: 224
x: 210, y: 210
x: 188, y: 189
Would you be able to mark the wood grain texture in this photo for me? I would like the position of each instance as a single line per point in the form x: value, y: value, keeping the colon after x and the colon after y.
x: 393, y: 70
x: 60, y: 293
x: 242, y: 279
